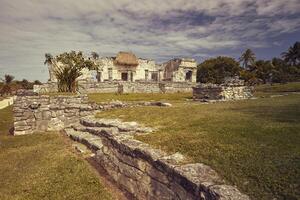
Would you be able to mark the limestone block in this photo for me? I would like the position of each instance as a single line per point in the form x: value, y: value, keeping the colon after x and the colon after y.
x: 42, y: 125
x: 55, y: 124
x: 46, y: 115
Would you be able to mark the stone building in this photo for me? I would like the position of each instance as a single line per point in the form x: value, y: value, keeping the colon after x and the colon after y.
x: 180, y: 70
x: 126, y: 73
x: 127, y: 67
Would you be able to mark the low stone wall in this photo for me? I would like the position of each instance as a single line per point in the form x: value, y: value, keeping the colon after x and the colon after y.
x: 140, y: 87
x: 102, y: 87
x: 48, y: 113
x: 221, y: 92
x: 173, y: 87
x: 149, y: 173
x: 48, y: 87
x: 122, y: 87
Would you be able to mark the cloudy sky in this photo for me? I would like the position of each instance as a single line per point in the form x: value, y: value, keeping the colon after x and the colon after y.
x: 155, y: 29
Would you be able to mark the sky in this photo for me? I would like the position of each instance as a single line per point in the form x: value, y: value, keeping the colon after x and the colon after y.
x: 153, y: 29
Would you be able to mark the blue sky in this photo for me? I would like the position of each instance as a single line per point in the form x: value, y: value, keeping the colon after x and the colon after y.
x: 154, y: 29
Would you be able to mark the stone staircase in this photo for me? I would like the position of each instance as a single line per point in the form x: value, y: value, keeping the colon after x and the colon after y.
x: 144, y: 172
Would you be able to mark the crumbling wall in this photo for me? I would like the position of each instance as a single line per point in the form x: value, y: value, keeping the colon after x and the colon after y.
x: 173, y: 87
x: 221, y: 92
x: 123, y: 87
x: 48, y: 113
x: 149, y: 173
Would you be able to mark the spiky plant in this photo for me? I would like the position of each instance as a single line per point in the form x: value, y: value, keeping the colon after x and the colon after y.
x: 70, y: 70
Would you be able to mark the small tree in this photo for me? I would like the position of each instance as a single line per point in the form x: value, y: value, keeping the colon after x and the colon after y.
x: 214, y: 70
x: 6, y: 89
x: 8, y: 78
x: 72, y: 64
x: 37, y: 82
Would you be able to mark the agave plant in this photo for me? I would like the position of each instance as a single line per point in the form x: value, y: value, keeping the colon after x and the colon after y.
x: 70, y: 70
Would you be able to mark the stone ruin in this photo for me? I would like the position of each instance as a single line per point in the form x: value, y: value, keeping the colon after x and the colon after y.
x: 127, y: 73
x: 232, y: 89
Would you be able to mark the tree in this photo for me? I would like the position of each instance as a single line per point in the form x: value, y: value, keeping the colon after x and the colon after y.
x: 214, y: 70
x: 264, y: 70
x: 8, y: 78
x: 95, y: 55
x: 6, y: 89
x: 26, y: 84
x: 292, y: 55
x: 72, y: 64
x: 247, y: 58
x: 37, y: 82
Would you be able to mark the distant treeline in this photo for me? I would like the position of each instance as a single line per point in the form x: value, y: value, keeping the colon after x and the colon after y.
x: 9, y: 86
x: 278, y: 70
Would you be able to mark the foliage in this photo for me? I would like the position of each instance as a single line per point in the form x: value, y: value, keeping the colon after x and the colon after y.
x: 247, y: 58
x: 72, y: 64
x: 8, y: 78
x: 254, y: 72
x: 37, y: 82
x: 10, y: 86
x: 214, y: 70
x: 292, y: 55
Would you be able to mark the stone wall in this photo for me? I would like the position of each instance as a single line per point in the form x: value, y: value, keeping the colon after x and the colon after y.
x: 221, y: 92
x: 48, y: 87
x: 173, y: 87
x: 148, y: 173
x: 122, y: 87
x: 48, y: 113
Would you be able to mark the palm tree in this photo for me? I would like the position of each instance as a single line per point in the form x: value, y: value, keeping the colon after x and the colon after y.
x: 247, y: 58
x: 292, y: 55
x: 95, y: 55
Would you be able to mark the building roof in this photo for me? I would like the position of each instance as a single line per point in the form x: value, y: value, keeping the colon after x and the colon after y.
x: 126, y: 58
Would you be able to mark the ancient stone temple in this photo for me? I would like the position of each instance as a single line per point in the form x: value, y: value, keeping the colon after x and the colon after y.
x: 180, y: 70
x: 126, y: 73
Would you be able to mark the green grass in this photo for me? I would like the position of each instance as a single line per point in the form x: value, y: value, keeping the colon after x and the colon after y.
x: 254, y: 144
x: 42, y: 166
x: 277, y: 88
x: 171, y: 97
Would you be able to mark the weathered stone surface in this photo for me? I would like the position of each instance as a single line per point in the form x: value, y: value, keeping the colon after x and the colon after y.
x: 42, y: 113
x: 148, y: 173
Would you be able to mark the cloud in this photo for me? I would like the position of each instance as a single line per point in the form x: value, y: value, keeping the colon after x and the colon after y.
x: 153, y: 29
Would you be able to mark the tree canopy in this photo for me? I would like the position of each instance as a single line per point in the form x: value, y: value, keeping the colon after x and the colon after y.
x: 214, y: 70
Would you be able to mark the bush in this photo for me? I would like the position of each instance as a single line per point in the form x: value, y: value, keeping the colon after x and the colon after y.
x: 214, y: 70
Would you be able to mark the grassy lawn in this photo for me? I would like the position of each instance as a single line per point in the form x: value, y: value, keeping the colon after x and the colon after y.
x: 254, y: 144
x: 104, y: 97
x: 267, y: 89
x: 42, y: 166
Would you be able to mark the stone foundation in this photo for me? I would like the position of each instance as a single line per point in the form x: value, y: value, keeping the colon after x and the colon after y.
x: 122, y: 87
x: 148, y: 173
x: 232, y: 89
x: 48, y: 113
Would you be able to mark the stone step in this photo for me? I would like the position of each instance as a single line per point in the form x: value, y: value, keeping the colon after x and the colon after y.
x: 93, y: 142
x: 91, y: 121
